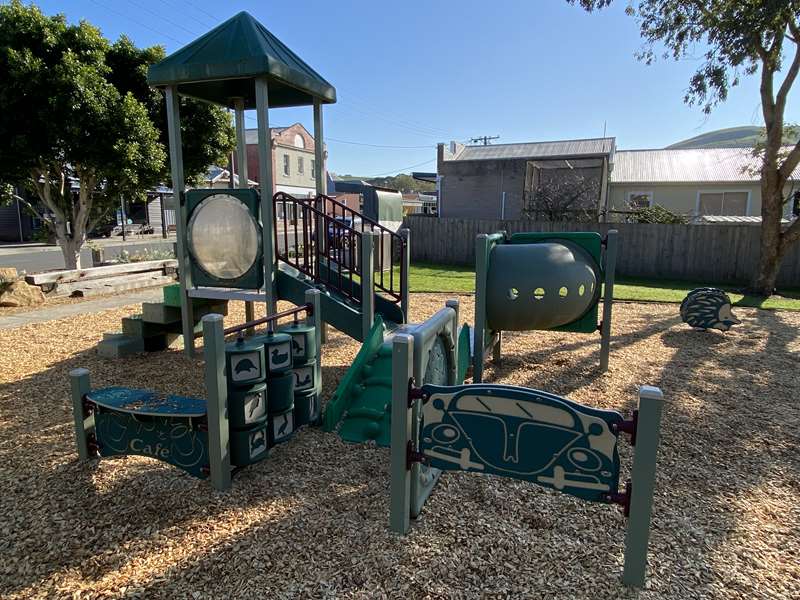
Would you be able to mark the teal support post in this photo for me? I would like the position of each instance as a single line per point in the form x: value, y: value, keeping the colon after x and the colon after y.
x: 643, y: 478
x: 367, y: 283
x: 455, y: 305
x: 217, y: 401
x: 241, y: 171
x: 400, y: 487
x: 80, y: 384
x: 405, y: 268
x: 312, y: 297
x: 478, y: 335
x: 483, y: 248
x: 609, y: 266
x: 266, y: 180
x: 176, y: 166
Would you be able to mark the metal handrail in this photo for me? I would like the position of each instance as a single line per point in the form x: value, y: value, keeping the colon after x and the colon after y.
x: 308, y: 308
x: 338, y: 244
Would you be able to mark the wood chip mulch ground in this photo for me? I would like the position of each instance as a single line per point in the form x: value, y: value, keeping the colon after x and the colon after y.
x: 311, y: 521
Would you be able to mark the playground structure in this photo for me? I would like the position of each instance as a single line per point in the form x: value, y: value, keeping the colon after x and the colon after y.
x: 351, y: 271
x: 230, y: 245
x: 252, y: 401
x: 523, y: 434
x: 559, y: 287
x: 708, y: 308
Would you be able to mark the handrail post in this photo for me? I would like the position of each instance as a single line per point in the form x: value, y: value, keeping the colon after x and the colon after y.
x: 80, y: 385
x: 405, y: 267
x: 216, y: 401
x: 482, y: 245
x: 643, y: 478
x: 400, y: 484
x: 609, y: 267
x: 367, y: 283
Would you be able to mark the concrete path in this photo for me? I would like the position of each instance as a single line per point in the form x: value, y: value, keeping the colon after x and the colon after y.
x: 40, y: 315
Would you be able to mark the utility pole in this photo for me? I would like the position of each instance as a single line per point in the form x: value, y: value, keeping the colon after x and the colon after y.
x: 485, y: 139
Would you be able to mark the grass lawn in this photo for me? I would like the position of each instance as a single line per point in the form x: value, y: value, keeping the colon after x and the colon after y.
x: 444, y: 278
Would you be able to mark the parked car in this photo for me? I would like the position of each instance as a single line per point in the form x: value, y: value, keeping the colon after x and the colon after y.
x: 103, y: 230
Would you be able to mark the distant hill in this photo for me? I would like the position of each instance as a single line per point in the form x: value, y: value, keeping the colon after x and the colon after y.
x: 401, y: 182
x: 733, y: 137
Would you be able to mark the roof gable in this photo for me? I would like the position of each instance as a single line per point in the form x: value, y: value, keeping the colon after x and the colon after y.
x: 223, y: 63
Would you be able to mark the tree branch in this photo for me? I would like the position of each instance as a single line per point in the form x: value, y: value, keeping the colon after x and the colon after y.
x: 33, y: 209
x: 788, y: 81
x: 790, y: 163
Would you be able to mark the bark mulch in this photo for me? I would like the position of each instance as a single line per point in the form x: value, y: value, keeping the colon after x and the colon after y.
x: 311, y: 521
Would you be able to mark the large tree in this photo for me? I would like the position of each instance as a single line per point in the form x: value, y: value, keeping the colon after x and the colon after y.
x: 738, y: 38
x: 80, y: 126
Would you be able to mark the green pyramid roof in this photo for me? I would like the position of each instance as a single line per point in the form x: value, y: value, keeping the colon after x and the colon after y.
x: 223, y: 63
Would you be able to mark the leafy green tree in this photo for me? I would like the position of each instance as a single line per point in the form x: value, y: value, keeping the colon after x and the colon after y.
x: 80, y: 126
x: 741, y: 37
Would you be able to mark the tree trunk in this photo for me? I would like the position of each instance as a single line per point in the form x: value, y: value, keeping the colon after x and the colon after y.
x: 771, y: 249
x: 72, y: 253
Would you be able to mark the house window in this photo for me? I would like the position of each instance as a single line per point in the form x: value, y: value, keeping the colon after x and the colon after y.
x: 313, y: 168
x: 286, y: 164
x: 723, y: 203
x: 637, y: 200
x: 300, y: 164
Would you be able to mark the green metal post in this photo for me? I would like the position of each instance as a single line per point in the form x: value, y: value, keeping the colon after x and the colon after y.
x: 80, y: 384
x: 367, y: 283
x: 455, y: 305
x: 479, y: 335
x: 643, y: 478
x: 400, y: 487
x: 610, y: 265
x: 266, y: 181
x: 312, y: 297
x: 241, y: 171
x: 176, y: 166
x: 319, y: 148
x: 405, y: 268
x: 217, y: 401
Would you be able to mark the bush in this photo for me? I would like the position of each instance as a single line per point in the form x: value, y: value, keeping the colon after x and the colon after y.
x: 145, y: 255
x: 657, y: 214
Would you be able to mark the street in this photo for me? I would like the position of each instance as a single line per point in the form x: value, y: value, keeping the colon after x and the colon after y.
x: 33, y: 258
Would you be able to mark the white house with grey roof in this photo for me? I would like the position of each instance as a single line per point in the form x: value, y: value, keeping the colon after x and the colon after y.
x: 693, y: 182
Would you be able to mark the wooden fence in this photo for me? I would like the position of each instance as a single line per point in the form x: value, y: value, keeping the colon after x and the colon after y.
x: 702, y: 253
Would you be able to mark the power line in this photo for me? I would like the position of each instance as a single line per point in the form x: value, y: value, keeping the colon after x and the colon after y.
x: 139, y: 23
x: 330, y: 139
x: 163, y: 18
x: 394, y: 116
x: 401, y: 169
x: 195, y: 19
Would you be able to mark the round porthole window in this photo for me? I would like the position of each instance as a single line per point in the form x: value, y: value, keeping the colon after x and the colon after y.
x: 223, y: 237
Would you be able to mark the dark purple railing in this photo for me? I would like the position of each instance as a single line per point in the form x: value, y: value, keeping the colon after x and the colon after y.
x: 323, y: 229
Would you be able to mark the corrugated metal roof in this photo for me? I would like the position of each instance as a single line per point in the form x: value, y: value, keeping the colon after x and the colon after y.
x: 700, y: 165
x: 557, y: 149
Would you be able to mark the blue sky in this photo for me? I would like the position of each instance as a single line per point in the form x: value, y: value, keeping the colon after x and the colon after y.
x: 415, y: 73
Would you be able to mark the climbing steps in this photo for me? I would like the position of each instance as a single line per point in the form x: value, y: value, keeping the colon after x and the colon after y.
x: 157, y: 326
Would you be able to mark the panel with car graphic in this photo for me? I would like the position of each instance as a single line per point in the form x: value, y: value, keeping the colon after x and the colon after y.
x: 524, y: 434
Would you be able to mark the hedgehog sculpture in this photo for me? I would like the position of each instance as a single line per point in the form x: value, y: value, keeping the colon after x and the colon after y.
x: 708, y: 308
